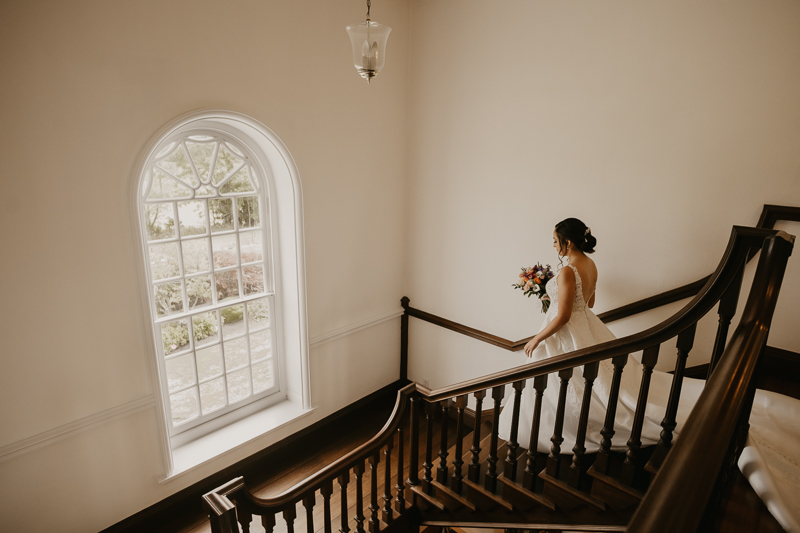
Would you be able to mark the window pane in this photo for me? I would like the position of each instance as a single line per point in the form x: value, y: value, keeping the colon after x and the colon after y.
x: 212, y: 395
x: 160, y: 221
x: 205, y: 328
x: 226, y: 162
x: 260, y: 345
x: 253, y: 279
x: 240, y: 182
x: 192, y: 216
x: 184, y: 406
x: 251, y: 246
x: 248, y: 211
x: 168, y: 298
x: 227, y: 285
x: 164, y: 260
x: 221, y: 214
x: 257, y: 314
x: 180, y: 371
x: 201, y: 156
x: 209, y: 362
x: 224, y: 247
x: 195, y: 256
x: 235, y: 353
x: 232, y: 323
x: 238, y: 385
x: 262, y: 376
x: 178, y: 165
x: 165, y: 187
x: 198, y: 291
x: 175, y: 336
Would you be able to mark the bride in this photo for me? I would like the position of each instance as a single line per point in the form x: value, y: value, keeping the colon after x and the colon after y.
x: 770, y: 459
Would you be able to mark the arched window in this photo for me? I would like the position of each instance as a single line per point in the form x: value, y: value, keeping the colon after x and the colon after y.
x: 207, y: 193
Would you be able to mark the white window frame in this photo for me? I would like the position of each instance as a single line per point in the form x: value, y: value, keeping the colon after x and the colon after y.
x: 283, y: 261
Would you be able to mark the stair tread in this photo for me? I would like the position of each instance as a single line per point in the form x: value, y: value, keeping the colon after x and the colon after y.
x: 571, y: 491
x: 447, y: 493
x: 417, y: 489
x: 476, y: 488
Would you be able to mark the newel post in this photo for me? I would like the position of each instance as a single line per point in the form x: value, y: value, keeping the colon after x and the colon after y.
x: 404, y: 339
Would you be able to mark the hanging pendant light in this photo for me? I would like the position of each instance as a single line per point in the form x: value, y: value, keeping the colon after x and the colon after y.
x: 369, y: 45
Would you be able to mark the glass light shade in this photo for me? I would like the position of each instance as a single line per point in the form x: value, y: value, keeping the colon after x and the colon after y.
x: 369, y: 47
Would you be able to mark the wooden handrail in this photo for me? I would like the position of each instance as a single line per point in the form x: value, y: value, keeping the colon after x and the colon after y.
x: 698, y: 456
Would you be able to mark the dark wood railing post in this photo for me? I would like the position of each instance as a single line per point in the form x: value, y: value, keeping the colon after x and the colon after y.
x: 629, y: 467
x: 388, y: 515
x: 458, y: 461
x: 603, y: 455
x: 578, y: 468
x: 404, y: 301
x: 427, y: 477
x: 400, y: 500
x: 727, y: 309
x: 344, y: 480
x: 474, y: 472
x: 358, y: 470
x: 441, y: 472
x: 529, y: 480
x: 668, y: 424
x: 326, y: 490
x: 510, y: 471
x: 268, y: 522
x: 554, y: 459
x: 289, y: 516
x: 308, y: 503
x: 490, y: 480
x: 374, y: 520
x: 244, y: 518
x: 413, y: 452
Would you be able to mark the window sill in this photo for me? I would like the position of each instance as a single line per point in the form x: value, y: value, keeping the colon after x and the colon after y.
x: 193, y: 454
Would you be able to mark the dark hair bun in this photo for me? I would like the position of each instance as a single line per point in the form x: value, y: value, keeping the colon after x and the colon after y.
x: 578, y: 233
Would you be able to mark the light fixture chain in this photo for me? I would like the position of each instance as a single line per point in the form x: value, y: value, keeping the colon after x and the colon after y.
x: 369, y: 5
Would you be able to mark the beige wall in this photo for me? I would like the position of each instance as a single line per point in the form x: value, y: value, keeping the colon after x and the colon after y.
x: 659, y: 124
x: 84, y: 85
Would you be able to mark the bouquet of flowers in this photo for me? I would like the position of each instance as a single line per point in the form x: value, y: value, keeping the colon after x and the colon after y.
x: 532, y: 280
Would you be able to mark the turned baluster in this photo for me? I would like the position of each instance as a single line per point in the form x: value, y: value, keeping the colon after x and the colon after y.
x: 374, y: 521
x: 510, y: 471
x: 289, y: 514
x: 529, y: 479
x: 413, y: 455
x: 727, y: 308
x: 268, y: 522
x: 649, y: 360
x: 554, y: 459
x: 387, y: 482
x: 685, y: 342
x: 326, y: 490
x: 603, y: 455
x: 308, y: 503
x: 400, y: 501
x: 461, y: 404
x: 474, y: 472
x: 578, y: 468
x: 441, y: 472
x: 428, y: 464
x: 344, y: 479
x: 244, y: 518
x: 358, y: 470
x: 490, y: 480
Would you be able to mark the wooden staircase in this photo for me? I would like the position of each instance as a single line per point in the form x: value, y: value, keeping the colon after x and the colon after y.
x: 428, y: 467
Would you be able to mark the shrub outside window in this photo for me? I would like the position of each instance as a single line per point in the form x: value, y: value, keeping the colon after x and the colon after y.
x: 205, y: 218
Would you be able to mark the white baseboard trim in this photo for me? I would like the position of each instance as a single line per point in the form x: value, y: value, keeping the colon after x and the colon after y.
x: 46, y: 438
x: 352, y: 328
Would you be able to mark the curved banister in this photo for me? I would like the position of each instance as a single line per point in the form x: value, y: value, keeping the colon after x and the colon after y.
x: 698, y: 456
x: 742, y: 240
x: 236, y: 488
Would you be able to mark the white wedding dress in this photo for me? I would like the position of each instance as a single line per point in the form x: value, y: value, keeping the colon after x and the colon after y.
x: 771, y: 461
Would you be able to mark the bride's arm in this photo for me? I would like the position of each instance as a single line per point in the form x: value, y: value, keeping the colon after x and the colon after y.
x: 566, y: 297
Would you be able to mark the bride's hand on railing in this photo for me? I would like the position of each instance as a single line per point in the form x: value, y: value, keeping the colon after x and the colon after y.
x: 531, y: 345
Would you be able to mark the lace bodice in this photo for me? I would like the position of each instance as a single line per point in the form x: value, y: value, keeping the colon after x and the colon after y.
x: 552, y: 291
